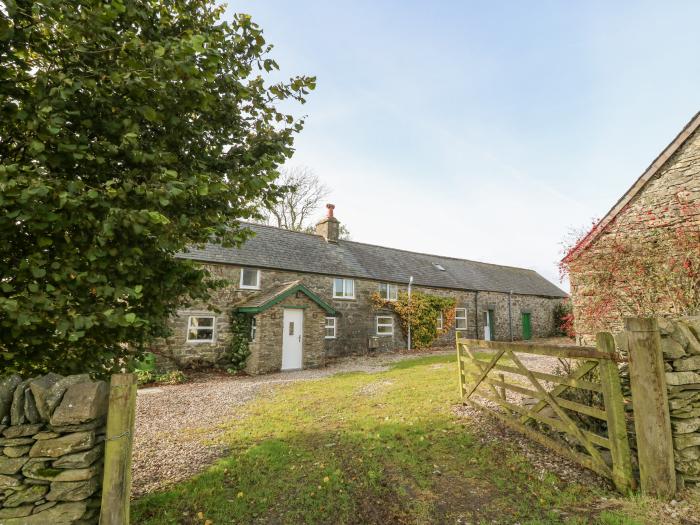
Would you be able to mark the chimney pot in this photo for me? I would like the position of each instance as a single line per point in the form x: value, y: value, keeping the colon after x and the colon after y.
x: 329, y: 226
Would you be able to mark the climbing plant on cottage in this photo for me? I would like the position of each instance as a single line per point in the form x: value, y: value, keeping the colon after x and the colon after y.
x: 241, y: 336
x: 648, y: 266
x: 128, y: 131
x: 423, y: 311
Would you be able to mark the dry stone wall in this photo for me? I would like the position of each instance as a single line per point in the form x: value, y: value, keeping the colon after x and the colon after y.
x: 52, y: 431
x: 680, y: 343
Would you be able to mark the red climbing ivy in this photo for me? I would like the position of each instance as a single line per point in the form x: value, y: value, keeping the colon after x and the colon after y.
x: 647, y: 265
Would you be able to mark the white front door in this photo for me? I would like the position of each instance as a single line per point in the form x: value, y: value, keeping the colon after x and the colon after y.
x: 292, y: 338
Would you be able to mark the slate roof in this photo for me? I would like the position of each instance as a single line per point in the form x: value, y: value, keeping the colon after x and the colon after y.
x: 281, y: 249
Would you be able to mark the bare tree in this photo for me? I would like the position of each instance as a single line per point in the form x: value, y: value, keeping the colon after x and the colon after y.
x: 302, y: 198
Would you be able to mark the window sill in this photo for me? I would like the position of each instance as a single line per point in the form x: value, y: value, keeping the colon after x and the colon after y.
x: 249, y: 288
x: 200, y: 341
x: 343, y: 298
x: 329, y: 338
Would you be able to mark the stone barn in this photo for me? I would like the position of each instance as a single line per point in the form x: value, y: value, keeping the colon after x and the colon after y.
x: 643, y: 257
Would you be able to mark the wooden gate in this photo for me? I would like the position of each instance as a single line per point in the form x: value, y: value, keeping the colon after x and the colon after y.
x: 499, y: 380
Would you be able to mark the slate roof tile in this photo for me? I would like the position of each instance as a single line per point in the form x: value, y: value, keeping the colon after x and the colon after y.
x: 281, y: 249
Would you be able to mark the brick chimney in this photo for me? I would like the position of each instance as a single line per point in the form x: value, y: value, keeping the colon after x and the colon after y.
x: 329, y: 226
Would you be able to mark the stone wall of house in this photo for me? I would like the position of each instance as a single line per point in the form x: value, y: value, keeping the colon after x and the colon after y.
x: 671, y: 197
x: 356, y: 317
x: 52, y: 445
x: 266, y: 349
x: 680, y: 343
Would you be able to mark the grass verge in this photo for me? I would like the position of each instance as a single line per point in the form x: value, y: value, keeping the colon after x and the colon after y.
x: 370, y: 448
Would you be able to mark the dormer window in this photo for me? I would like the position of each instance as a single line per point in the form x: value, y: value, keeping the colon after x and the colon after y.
x: 438, y: 266
x: 250, y: 279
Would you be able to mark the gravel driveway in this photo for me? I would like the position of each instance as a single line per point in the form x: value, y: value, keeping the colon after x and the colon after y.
x: 174, y: 422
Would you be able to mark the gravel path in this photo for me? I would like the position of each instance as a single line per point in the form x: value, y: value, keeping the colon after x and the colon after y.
x: 173, y: 423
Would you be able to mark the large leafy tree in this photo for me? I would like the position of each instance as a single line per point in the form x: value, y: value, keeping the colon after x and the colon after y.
x: 129, y: 129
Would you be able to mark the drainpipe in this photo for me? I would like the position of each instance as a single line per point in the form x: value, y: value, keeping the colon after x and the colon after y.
x: 510, y: 313
x: 410, y: 282
x: 476, y: 313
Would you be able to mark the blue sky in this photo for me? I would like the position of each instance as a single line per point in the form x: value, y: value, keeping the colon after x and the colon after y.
x: 484, y: 130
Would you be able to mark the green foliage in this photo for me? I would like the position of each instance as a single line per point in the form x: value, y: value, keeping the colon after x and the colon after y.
x: 174, y: 377
x: 241, y: 325
x: 422, y: 311
x: 129, y: 130
x: 147, y: 363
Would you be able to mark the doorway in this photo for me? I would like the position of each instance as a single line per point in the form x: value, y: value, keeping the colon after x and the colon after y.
x: 292, y: 339
x: 489, y: 325
x: 527, y: 326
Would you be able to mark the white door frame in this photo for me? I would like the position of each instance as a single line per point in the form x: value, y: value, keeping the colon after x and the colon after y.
x: 292, y: 339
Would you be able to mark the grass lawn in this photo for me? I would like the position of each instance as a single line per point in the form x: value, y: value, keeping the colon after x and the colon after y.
x: 371, y: 448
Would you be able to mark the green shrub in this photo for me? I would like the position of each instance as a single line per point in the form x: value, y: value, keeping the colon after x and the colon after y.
x: 239, y: 352
x: 129, y: 131
x: 173, y: 377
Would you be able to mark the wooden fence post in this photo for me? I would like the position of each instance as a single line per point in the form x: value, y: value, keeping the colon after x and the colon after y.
x: 460, y: 370
x: 615, y: 410
x: 116, y: 484
x: 652, y: 421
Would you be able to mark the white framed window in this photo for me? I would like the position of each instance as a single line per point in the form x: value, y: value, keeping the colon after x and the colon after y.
x: 388, y: 292
x: 253, y: 328
x: 200, y: 328
x: 330, y: 327
x: 460, y: 318
x: 250, y: 279
x: 440, y: 321
x: 385, y: 325
x: 343, y: 288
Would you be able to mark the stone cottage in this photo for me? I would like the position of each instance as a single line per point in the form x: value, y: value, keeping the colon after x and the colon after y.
x: 310, y: 295
x: 642, y: 258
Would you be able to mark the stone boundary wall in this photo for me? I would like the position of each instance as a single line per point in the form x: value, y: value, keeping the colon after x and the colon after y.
x: 52, y: 432
x: 680, y: 344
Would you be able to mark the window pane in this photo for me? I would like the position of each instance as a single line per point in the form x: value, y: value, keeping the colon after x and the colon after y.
x: 202, y: 321
x: 250, y: 277
x: 349, y: 287
x: 382, y: 290
x: 393, y: 292
x: 338, y: 287
x: 205, y: 334
x: 461, y: 324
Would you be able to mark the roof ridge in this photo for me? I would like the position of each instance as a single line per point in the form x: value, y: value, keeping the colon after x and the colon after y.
x: 637, y: 186
x: 280, y: 228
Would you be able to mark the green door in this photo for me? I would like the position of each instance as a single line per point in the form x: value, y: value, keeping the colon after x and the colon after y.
x: 527, y: 326
x: 491, y: 325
